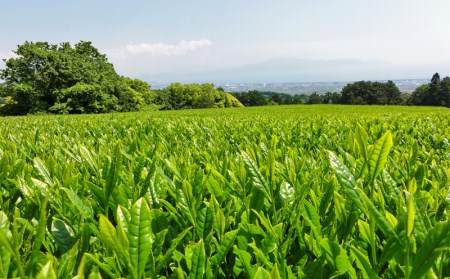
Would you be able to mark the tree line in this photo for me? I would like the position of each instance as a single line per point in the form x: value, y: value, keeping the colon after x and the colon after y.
x: 264, y: 98
x: 63, y: 79
x: 435, y: 93
x: 66, y: 79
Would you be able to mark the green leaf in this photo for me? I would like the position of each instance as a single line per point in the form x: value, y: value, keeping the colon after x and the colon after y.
x: 260, y: 255
x: 347, y: 181
x: 313, y: 219
x: 40, y: 230
x: 257, y: 177
x: 363, y: 263
x: 223, y: 248
x: 123, y: 218
x: 87, y: 157
x: 85, y: 211
x: 364, y: 230
x: 4, y: 222
x: 47, y: 272
x: 275, y: 273
x: 106, y: 268
x: 140, y: 236
x: 109, y: 237
x: 42, y: 171
x: 410, y: 214
x: 261, y: 273
x: 245, y: 260
x: 112, y: 173
x: 204, y: 222
x: 5, y: 242
x: 335, y: 255
x: 437, y: 240
x: 380, y: 219
x: 379, y: 155
x: 198, y: 260
x: 164, y: 260
x: 287, y: 193
x: 5, y: 260
x: 361, y: 138
x: 64, y: 239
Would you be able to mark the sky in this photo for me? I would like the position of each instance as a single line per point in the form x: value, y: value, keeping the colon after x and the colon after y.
x: 175, y: 37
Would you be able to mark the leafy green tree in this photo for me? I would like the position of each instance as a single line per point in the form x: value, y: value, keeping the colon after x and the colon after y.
x: 179, y: 96
x: 371, y: 93
x: 252, y: 98
x: 435, y: 93
x: 276, y: 98
x: 331, y: 98
x: 315, y: 98
x: 65, y: 79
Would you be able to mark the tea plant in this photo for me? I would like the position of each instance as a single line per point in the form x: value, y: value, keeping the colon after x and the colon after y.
x: 273, y: 192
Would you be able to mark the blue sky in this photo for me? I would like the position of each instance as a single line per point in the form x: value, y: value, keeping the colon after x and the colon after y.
x: 180, y: 36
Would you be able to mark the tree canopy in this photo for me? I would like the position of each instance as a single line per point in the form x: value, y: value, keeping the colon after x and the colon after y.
x: 435, y: 93
x: 62, y: 78
x: 188, y: 96
x: 371, y: 93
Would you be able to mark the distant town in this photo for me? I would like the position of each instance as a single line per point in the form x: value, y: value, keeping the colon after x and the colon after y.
x: 405, y: 85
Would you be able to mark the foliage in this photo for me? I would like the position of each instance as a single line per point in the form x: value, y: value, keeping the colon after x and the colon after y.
x: 371, y: 93
x: 277, y: 191
x: 263, y: 98
x: 65, y: 79
x: 178, y: 96
x: 435, y: 93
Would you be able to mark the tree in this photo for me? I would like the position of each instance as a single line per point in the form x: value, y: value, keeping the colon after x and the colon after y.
x: 252, y: 98
x: 276, y: 99
x: 65, y: 79
x: 179, y: 96
x: 435, y: 93
x: 332, y: 98
x: 315, y: 98
x: 371, y: 93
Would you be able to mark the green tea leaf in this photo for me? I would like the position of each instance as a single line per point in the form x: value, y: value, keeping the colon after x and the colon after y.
x: 261, y: 273
x: 257, y: 177
x: 47, y: 272
x: 198, y: 259
x: 64, y: 239
x: 140, y: 236
x: 379, y: 155
x: 223, y: 248
x: 347, y: 181
x: 245, y: 260
x: 438, y: 239
x: 363, y: 263
x: 361, y: 138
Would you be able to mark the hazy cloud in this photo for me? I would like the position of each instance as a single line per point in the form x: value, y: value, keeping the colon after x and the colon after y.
x: 157, y: 49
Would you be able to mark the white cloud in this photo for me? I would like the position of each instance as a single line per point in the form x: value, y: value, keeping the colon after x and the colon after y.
x: 7, y: 55
x: 159, y: 49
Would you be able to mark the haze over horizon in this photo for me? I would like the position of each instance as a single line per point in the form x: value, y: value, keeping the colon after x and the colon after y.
x: 252, y: 41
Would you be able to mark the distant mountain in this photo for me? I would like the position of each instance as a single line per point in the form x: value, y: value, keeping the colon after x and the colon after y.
x: 302, y: 70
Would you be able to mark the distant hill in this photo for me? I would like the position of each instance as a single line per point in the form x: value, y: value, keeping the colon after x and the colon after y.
x: 302, y: 70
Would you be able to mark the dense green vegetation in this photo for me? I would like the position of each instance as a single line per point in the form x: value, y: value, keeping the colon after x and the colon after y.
x: 64, y: 79
x: 267, y: 192
x: 263, y: 98
x: 435, y: 93
x: 188, y: 96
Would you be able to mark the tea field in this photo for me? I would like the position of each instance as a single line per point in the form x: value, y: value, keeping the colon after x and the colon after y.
x: 271, y: 192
